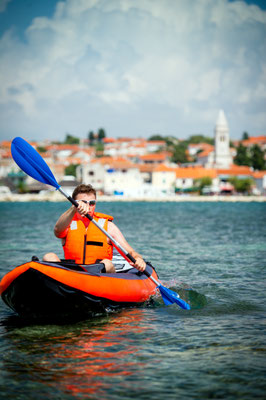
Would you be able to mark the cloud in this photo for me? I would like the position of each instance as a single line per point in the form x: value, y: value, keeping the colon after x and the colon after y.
x: 136, y: 67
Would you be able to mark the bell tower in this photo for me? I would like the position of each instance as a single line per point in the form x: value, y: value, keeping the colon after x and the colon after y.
x: 222, y: 155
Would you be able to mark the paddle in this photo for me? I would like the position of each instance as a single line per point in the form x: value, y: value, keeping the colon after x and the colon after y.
x: 30, y: 161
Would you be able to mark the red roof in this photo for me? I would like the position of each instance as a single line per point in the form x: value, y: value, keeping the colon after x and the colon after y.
x: 60, y: 147
x: 205, y: 152
x: 116, y: 162
x: 236, y: 170
x: 164, y: 168
x: 259, y: 174
x: 6, y: 154
x: 157, y: 142
x: 153, y: 157
x: 125, y: 139
x: 146, y: 167
x: 188, y: 172
x: 109, y: 140
x: 195, y: 172
x: 254, y: 140
x: 6, y: 144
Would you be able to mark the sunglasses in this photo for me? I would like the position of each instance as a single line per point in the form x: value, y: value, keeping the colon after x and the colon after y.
x: 90, y: 202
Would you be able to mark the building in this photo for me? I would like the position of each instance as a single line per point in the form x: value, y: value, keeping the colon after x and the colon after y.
x: 222, y: 155
x: 260, y: 181
x: 163, y: 178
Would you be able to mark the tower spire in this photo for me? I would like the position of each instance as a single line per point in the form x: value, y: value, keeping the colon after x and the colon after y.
x: 221, y: 120
x: 222, y: 155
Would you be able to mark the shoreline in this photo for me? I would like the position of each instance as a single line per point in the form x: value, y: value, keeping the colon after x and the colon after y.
x: 57, y: 197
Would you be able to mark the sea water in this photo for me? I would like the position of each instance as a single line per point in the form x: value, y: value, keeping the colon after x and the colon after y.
x: 212, y: 254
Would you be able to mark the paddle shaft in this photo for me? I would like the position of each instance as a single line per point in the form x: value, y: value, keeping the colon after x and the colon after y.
x: 124, y: 253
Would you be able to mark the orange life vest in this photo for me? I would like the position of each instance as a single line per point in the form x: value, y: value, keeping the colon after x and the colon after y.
x: 86, y: 245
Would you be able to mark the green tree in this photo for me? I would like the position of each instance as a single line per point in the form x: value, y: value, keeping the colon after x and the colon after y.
x: 201, y: 183
x: 99, y: 149
x: 200, y: 139
x: 22, y: 187
x: 41, y: 149
x: 257, y: 160
x: 242, y: 157
x: 170, y: 141
x: 245, y: 136
x: 241, y: 185
x: 71, y: 170
x: 179, y: 153
x: 156, y: 138
x: 91, y: 138
x: 69, y: 139
x: 101, y: 135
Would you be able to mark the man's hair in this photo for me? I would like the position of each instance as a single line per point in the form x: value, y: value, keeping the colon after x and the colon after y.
x: 82, y: 188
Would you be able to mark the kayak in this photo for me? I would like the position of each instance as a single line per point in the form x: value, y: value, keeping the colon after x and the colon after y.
x: 48, y: 289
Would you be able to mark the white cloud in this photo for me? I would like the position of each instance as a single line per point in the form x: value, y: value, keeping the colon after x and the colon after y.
x: 136, y: 67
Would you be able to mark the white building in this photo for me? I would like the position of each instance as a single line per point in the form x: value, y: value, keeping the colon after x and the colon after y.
x: 112, y: 177
x: 222, y: 154
x: 260, y: 181
x: 163, y: 179
x: 92, y: 174
x: 118, y: 180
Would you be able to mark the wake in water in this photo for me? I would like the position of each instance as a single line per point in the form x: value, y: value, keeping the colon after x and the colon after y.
x: 192, y: 297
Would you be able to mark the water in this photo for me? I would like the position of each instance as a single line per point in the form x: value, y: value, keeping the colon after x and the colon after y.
x: 216, y: 350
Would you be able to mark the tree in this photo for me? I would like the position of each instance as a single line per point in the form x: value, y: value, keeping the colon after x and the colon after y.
x: 101, y: 135
x: 169, y: 140
x: 91, y: 138
x: 41, y: 149
x: 245, y: 136
x: 200, y: 139
x: 156, y: 138
x: 99, y: 149
x: 203, y: 182
x: 179, y: 153
x: 242, y: 157
x: 241, y: 185
x: 22, y: 187
x: 71, y: 139
x: 71, y: 170
x: 257, y: 160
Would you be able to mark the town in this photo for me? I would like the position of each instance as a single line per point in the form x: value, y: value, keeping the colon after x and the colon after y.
x: 136, y: 168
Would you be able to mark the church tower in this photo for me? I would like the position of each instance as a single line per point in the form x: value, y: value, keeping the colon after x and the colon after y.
x: 222, y: 155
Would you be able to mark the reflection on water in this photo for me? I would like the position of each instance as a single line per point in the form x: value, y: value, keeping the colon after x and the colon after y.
x: 82, y: 359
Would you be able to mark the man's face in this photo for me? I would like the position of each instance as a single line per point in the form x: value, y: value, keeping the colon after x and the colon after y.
x: 89, y: 200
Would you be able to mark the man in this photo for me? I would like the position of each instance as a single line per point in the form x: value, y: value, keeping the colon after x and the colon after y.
x: 82, y: 241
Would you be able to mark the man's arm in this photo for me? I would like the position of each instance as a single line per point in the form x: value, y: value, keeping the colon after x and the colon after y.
x: 60, y: 229
x: 115, y: 232
x: 64, y: 221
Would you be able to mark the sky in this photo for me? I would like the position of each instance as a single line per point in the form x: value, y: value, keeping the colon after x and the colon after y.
x: 133, y: 67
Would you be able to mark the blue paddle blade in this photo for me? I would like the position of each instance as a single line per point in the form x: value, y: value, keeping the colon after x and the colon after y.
x: 170, y: 297
x: 30, y: 161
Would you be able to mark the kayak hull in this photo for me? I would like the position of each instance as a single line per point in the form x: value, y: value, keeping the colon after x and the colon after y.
x: 39, y: 289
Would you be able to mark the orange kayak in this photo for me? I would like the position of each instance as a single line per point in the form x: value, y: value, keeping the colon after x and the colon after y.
x: 41, y: 289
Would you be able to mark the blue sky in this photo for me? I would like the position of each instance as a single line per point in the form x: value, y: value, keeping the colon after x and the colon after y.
x: 133, y: 67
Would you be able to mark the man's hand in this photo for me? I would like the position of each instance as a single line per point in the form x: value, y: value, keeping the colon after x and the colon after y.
x: 140, y: 264
x: 82, y: 208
